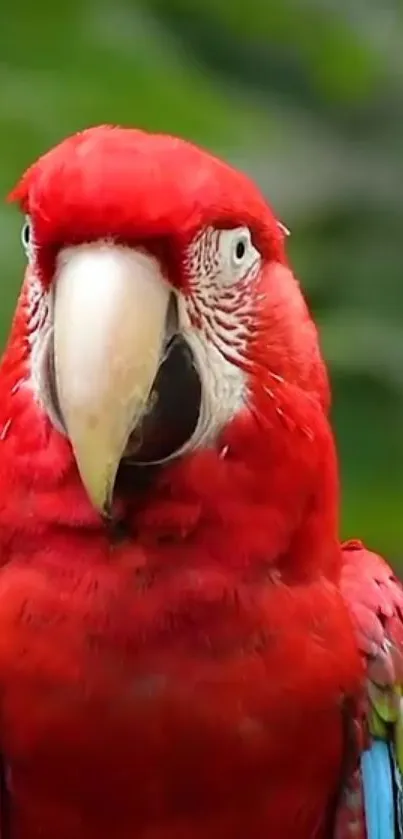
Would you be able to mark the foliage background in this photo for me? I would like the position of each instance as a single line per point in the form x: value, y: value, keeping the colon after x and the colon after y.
x: 307, y: 96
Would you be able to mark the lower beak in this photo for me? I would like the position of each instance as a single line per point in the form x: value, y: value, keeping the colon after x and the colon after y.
x: 110, y: 314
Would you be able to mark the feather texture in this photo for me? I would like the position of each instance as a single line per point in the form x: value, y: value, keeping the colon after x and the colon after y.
x: 192, y: 670
x: 375, y: 599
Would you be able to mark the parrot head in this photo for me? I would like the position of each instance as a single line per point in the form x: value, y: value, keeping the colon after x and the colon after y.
x: 158, y: 315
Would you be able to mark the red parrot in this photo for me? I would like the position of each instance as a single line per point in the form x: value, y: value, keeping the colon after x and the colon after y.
x: 186, y: 651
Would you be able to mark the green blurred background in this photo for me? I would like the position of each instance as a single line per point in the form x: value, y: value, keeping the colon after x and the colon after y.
x: 306, y: 96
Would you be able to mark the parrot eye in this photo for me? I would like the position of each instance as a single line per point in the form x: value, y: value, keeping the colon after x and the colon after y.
x: 239, y: 251
x: 240, y: 247
x: 239, y: 254
x: 26, y: 237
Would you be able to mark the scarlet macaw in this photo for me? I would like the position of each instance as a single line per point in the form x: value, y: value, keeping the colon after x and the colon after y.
x: 186, y: 651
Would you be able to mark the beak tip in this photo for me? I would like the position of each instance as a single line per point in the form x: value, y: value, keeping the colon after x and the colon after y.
x: 106, y: 512
x: 101, y: 499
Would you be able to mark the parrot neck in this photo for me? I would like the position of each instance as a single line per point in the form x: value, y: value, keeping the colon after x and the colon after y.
x: 263, y: 500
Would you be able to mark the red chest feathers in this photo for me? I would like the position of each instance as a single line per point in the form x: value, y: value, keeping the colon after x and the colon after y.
x: 151, y: 699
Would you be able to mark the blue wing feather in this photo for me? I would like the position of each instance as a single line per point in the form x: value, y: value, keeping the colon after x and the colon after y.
x: 374, y: 597
x: 379, y: 791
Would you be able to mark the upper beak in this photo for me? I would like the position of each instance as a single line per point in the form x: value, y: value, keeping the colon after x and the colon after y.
x: 110, y: 312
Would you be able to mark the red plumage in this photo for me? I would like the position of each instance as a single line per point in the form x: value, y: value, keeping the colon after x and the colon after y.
x: 191, y: 675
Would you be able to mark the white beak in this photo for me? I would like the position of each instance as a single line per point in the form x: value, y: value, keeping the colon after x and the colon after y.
x: 110, y: 311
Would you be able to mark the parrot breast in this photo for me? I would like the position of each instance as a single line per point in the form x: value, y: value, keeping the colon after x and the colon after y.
x: 146, y: 693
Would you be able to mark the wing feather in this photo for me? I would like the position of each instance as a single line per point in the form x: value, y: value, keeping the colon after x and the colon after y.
x: 374, y: 597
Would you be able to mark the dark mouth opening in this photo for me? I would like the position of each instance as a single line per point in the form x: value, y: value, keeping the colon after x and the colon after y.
x: 172, y: 412
x: 173, y: 409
